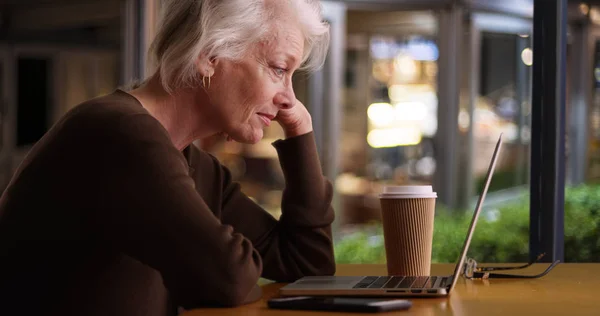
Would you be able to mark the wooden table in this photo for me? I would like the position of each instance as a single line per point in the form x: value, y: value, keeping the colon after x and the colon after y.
x: 569, y: 289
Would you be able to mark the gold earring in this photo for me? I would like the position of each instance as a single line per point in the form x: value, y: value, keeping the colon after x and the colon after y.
x: 204, y: 82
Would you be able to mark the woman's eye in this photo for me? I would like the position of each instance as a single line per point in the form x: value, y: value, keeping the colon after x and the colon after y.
x: 280, y: 71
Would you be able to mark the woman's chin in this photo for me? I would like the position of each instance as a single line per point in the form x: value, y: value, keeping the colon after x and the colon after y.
x: 251, y: 138
x: 255, y: 139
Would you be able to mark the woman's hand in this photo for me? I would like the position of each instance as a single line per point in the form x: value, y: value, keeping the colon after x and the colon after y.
x: 295, y: 121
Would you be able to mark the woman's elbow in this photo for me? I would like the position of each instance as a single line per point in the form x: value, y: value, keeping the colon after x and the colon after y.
x: 238, y: 296
x: 235, y: 297
x: 321, y: 263
x: 226, y: 294
x: 323, y: 268
x: 240, y: 287
x: 326, y: 269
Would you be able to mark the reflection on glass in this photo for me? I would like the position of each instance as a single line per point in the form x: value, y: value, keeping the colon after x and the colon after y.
x: 582, y: 201
x: 503, y: 107
x: 593, y: 171
x: 389, y: 124
x: 389, y: 121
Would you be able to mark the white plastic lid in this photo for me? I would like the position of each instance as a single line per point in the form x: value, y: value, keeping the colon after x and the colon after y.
x: 408, y: 191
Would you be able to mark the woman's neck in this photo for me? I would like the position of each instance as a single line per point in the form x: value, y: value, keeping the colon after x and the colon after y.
x: 179, y: 112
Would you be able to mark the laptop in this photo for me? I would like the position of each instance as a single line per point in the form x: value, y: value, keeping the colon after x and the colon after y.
x: 395, y: 286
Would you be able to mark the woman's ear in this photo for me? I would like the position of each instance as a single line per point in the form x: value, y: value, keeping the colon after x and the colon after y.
x: 206, y: 65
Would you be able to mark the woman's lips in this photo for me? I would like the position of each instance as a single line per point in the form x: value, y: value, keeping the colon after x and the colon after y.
x: 266, y: 118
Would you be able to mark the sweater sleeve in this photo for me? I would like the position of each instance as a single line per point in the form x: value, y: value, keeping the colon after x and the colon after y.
x: 300, y: 243
x: 150, y: 210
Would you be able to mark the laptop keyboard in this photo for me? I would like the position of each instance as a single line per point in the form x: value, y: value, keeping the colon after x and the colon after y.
x: 395, y: 282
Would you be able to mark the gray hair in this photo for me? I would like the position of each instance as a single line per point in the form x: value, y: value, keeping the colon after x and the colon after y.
x: 226, y: 29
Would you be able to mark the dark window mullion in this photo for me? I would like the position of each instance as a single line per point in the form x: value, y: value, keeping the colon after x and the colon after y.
x: 548, y: 130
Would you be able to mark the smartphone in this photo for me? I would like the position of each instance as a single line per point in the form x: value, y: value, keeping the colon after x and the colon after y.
x: 342, y: 304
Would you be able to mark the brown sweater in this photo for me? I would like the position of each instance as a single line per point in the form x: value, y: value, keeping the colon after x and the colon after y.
x: 106, y: 217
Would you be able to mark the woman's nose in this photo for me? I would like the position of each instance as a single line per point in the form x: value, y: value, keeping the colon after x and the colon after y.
x: 286, y: 99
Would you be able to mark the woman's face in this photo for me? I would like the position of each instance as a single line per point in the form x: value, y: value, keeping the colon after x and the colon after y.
x: 247, y: 94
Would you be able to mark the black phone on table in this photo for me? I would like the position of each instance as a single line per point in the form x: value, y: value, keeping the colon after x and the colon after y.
x: 342, y: 304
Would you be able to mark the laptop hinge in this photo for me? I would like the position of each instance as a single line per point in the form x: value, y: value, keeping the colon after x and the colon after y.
x: 449, y: 283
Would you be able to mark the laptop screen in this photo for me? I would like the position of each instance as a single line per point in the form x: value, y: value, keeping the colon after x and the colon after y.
x: 463, y: 254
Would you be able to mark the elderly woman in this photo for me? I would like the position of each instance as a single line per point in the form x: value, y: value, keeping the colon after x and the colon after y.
x: 115, y: 212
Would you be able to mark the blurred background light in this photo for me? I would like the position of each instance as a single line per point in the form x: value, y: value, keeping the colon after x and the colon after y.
x: 584, y: 8
x: 406, y: 67
x: 409, y: 111
x: 380, y: 114
x: 393, y: 137
x: 527, y: 56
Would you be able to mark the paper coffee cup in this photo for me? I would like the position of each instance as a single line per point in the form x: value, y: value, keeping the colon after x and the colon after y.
x: 407, y: 216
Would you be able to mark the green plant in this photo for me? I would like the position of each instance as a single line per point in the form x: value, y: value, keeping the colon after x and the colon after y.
x: 503, y: 237
x: 449, y: 231
x: 503, y: 179
x: 365, y: 246
x: 582, y: 224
